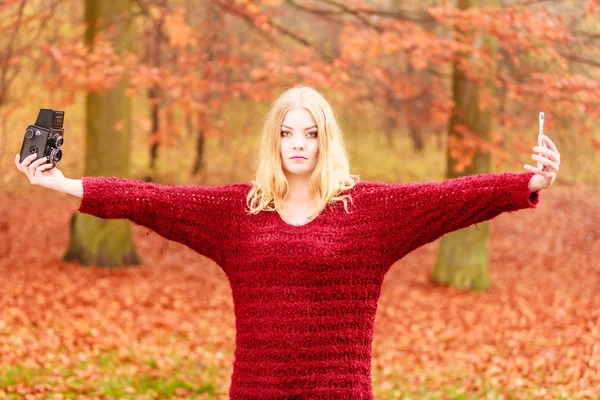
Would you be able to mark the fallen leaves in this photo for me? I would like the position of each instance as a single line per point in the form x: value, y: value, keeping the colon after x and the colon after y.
x: 166, y: 329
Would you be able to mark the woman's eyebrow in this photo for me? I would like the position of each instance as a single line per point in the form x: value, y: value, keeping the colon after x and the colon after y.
x: 310, y: 127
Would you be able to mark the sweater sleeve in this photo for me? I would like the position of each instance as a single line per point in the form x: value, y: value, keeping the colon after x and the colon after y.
x: 409, y: 215
x: 196, y: 216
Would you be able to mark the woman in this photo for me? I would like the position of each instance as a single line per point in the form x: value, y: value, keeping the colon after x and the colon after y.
x: 306, y: 245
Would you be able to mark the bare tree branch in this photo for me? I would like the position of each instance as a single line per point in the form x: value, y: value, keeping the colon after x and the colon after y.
x: 234, y: 11
x: 578, y: 59
x: 356, y: 14
x: 587, y: 35
x: 420, y: 17
x: 302, y: 41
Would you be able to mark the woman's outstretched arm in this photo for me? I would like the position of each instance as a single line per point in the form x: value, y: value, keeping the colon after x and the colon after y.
x: 199, y: 217
x: 408, y: 215
x: 72, y: 186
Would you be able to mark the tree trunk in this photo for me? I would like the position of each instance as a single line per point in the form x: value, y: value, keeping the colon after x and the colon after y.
x: 154, y: 96
x: 417, y: 109
x: 154, y: 116
x: 463, y: 256
x: 189, y: 126
x: 96, y: 241
x: 416, y: 134
x: 198, y: 164
x: 389, y: 120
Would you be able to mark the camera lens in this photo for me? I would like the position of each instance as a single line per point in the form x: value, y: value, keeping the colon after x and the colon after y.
x: 29, y: 133
x: 55, y: 156
x: 58, y: 141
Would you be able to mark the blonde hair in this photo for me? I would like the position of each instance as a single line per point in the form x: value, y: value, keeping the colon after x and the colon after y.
x: 331, y: 174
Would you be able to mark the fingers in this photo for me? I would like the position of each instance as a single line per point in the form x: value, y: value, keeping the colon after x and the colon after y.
x: 551, y: 147
x: 532, y: 169
x: 33, y: 166
x: 38, y: 172
x: 546, y: 161
x: 23, y: 165
x: 551, y: 154
x: 550, y: 144
x: 549, y: 158
x: 539, y: 171
x: 34, y: 169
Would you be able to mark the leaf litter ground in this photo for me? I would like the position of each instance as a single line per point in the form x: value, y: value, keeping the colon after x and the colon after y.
x: 165, y: 329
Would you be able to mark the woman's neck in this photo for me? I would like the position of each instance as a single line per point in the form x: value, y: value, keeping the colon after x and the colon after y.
x: 299, y: 192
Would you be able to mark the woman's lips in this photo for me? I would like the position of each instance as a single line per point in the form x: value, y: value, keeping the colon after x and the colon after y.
x: 298, y: 158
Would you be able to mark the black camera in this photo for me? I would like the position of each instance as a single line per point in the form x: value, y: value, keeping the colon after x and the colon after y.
x: 45, y: 137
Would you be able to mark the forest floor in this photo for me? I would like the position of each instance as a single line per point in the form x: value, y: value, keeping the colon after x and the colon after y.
x: 165, y: 329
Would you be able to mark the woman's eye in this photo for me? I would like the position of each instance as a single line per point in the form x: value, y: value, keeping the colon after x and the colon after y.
x: 311, y: 134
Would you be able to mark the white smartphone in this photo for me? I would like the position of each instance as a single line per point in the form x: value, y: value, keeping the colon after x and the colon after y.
x: 541, y: 143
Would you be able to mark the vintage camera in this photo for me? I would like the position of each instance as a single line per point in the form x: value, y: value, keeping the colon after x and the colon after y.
x: 45, y: 137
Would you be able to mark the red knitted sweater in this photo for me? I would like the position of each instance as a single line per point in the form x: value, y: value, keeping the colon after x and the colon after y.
x: 305, y: 296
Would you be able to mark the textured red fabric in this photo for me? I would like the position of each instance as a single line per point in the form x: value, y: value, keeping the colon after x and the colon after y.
x: 305, y: 296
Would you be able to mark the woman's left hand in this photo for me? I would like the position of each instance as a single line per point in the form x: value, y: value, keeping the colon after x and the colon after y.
x: 550, y: 161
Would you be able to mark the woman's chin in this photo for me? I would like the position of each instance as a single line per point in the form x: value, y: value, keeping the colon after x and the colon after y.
x: 298, y: 172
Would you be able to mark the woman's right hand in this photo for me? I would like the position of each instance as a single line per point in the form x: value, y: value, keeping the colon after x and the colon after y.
x: 38, y: 173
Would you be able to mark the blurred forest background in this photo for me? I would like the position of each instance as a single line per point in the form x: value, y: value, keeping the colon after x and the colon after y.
x: 202, y: 75
x: 175, y: 91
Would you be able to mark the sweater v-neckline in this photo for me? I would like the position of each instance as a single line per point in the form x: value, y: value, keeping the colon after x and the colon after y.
x: 291, y: 225
x: 283, y: 222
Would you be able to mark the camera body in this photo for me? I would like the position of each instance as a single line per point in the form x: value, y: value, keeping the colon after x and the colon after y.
x: 45, y: 137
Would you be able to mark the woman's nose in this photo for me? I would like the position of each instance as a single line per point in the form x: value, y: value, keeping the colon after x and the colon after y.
x: 299, y: 143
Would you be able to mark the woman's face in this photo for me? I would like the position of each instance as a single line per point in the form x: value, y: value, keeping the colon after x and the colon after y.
x: 299, y: 139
